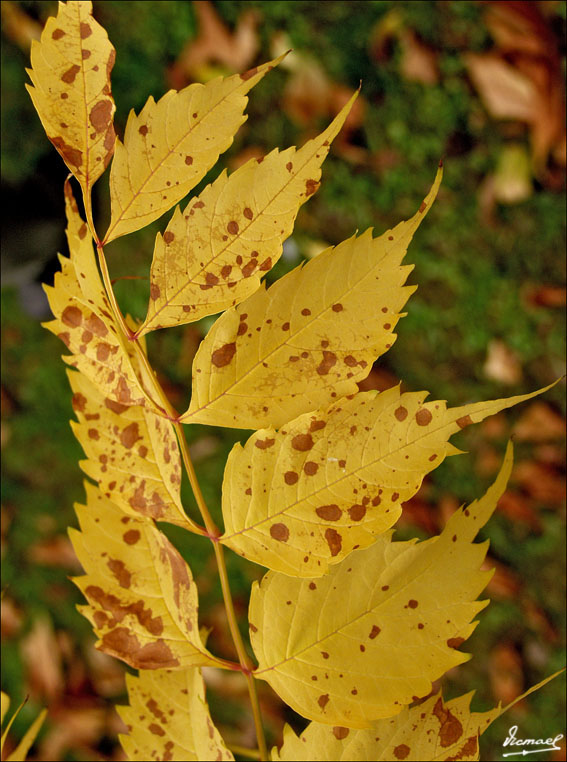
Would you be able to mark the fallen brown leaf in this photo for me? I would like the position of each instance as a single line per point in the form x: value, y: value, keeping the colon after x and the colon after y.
x: 42, y: 661
x: 539, y: 423
x: 505, y: 672
x: 502, y: 364
x: 418, y: 62
x: 216, y: 44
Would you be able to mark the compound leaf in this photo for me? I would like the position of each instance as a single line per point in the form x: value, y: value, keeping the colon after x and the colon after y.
x: 171, y: 145
x: 84, y: 320
x: 70, y: 73
x: 296, y: 346
x: 213, y: 255
x: 142, y: 597
x: 168, y: 718
x: 132, y: 454
x: 304, y: 497
x: 351, y: 659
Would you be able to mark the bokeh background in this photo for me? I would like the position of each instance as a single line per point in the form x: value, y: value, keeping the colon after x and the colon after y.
x: 479, y: 84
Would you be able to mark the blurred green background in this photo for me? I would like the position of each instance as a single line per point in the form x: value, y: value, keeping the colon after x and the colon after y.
x: 477, y: 84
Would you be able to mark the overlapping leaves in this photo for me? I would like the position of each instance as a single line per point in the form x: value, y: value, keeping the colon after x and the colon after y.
x: 303, y: 497
x: 349, y: 659
x: 300, y: 344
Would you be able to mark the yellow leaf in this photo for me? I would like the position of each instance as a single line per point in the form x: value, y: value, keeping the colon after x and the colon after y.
x: 70, y: 73
x: 132, y: 454
x: 84, y: 320
x: 142, y: 598
x: 434, y: 730
x: 302, y: 498
x: 349, y: 659
x: 171, y: 145
x: 168, y: 718
x: 301, y: 343
x: 20, y: 752
x: 213, y: 255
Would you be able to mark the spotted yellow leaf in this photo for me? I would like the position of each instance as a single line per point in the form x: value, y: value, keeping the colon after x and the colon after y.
x: 84, y: 320
x: 70, y: 73
x: 171, y: 145
x: 142, y: 597
x: 301, y: 343
x: 350, y: 659
x: 436, y: 730
x: 299, y: 499
x: 132, y: 454
x: 213, y: 255
x: 168, y: 718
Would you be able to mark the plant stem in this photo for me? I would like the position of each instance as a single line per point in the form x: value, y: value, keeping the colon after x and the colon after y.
x: 212, y: 530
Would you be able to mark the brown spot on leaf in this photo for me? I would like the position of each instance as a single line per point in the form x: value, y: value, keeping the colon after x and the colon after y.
x: 224, y: 355
x: 189, y: 161
x: 340, y: 732
x: 248, y: 213
x: 156, y: 729
x: 85, y: 30
x: 285, y: 326
x: 262, y: 444
x: 316, y: 425
x: 412, y: 604
x: 324, y: 654
x: 72, y: 316
x: 401, y: 413
x: 312, y: 586
x: 357, y: 512
x: 302, y: 442
x: 337, y: 307
x: 266, y: 264
x: 211, y: 279
x: 455, y: 642
x: 289, y: 166
x: 334, y: 540
x: 130, y: 435
x: 78, y: 402
x: 232, y: 227
x: 423, y: 417
x: 120, y: 572
x: 279, y: 532
x: 350, y: 361
x: 71, y: 155
x: 85, y: 54
x: 57, y: 34
x: 226, y: 270
x: 168, y: 237
x: 102, y: 351
x: 65, y: 338
x: 100, y: 115
x: 154, y: 291
x: 252, y: 627
x: 116, y: 407
x: 323, y: 700
x: 96, y: 325
x: 464, y: 421
x: 401, y: 751
x: 305, y: 312
x: 242, y: 328
x: 422, y: 207
x: 290, y: 477
x: 374, y: 631
x: 311, y: 468
x: 395, y: 496
x: 451, y: 729
x: 249, y: 268
x: 131, y: 537
x: 329, y: 513
x: 329, y: 359
x: 248, y: 74
x: 69, y: 76
x: 310, y: 187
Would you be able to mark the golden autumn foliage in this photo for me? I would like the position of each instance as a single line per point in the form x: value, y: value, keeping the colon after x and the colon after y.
x: 348, y: 626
